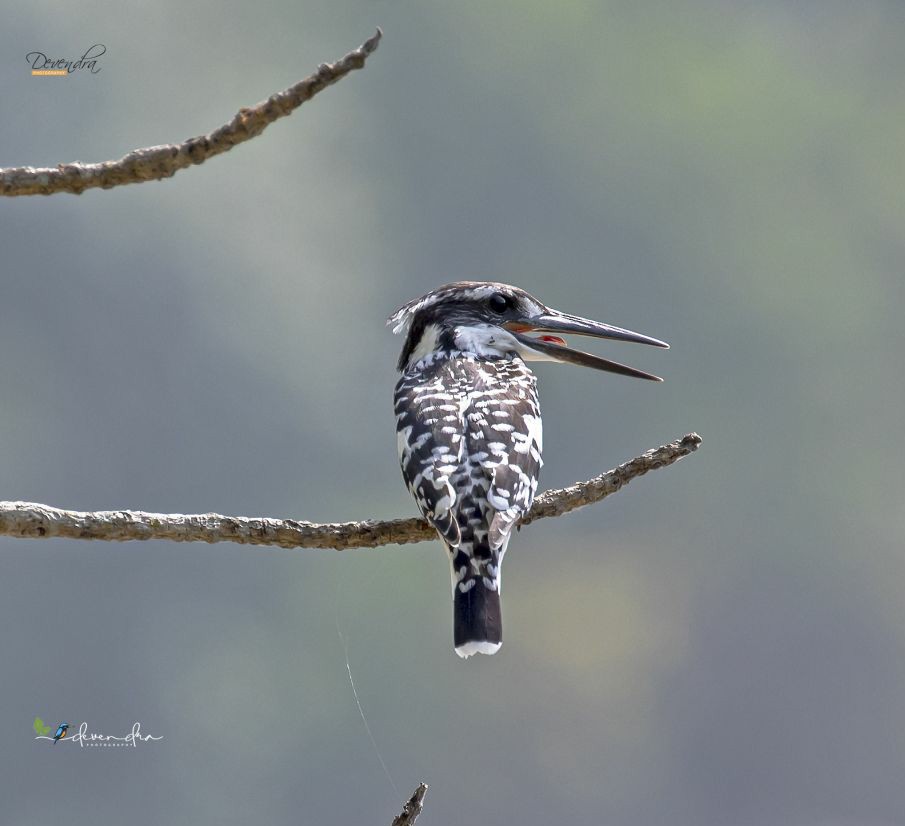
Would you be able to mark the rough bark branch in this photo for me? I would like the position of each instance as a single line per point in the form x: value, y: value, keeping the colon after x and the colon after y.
x: 412, y: 808
x: 157, y: 162
x: 30, y: 520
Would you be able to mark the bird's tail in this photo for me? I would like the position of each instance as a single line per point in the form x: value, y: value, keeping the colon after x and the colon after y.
x: 477, y: 615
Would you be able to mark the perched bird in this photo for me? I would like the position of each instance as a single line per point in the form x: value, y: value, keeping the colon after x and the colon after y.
x: 469, y: 427
x: 61, y: 732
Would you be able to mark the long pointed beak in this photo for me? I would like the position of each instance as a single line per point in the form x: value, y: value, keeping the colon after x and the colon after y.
x: 553, y: 347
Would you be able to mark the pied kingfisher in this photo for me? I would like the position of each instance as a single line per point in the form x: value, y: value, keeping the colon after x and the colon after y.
x: 469, y: 427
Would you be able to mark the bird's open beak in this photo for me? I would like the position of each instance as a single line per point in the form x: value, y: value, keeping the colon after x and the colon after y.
x: 553, y: 347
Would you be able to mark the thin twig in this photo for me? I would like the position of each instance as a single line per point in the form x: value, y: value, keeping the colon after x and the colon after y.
x: 412, y: 808
x: 30, y: 520
x: 157, y: 162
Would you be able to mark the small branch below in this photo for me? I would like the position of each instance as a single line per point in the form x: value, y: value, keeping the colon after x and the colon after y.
x: 412, y: 809
x: 157, y: 162
x: 28, y: 520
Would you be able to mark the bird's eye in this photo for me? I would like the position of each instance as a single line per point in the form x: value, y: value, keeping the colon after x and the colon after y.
x: 499, y: 303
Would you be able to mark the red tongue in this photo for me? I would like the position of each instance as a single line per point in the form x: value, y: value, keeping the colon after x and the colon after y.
x: 553, y: 340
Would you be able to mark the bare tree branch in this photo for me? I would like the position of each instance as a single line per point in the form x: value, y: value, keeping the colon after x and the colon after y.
x: 156, y: 162
x: 412, y: 808
x: 30, y: 520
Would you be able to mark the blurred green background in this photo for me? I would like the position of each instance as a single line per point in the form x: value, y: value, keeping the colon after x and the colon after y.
x: 721, y: 643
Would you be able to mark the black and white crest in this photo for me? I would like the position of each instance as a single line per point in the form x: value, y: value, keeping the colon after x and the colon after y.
x: 464, y: 317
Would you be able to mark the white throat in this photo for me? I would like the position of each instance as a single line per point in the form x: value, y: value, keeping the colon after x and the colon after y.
x: 486, y: 340
x: 481, y: 340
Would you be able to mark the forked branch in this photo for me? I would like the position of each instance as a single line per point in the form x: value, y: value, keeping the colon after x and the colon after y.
x: 30, y: 520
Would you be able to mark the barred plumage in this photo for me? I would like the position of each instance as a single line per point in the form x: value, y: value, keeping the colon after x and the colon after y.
x: 469, y: 428
x: 470, y: 441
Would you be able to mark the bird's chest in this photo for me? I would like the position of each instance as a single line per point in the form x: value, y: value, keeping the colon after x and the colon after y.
x: 479, y: 414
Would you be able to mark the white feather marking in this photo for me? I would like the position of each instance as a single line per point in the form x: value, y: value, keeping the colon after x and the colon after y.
x: 471, y: 648
x: 496, y: 501
x: 535, y: 434
x: 465, y: 587
x: 402, y: 441
x: 426, y: 345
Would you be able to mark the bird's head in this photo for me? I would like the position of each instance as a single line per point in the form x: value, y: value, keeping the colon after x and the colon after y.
x: 489, y: 319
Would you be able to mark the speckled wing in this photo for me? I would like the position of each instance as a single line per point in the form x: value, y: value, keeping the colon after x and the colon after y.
x: 505, y: 435
x: 429, y: 437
